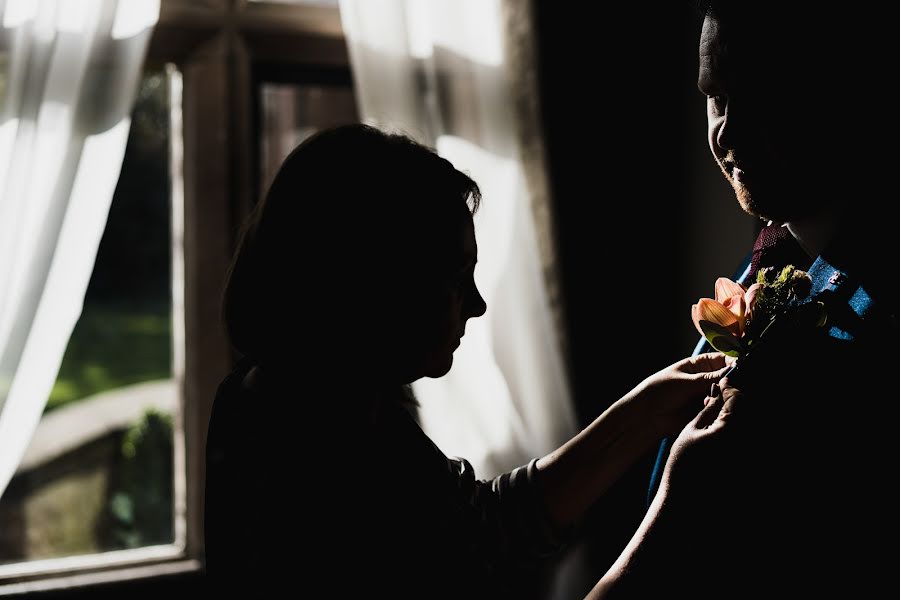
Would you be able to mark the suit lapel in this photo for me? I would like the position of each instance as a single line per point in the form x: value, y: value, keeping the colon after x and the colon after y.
x: 848, y: 303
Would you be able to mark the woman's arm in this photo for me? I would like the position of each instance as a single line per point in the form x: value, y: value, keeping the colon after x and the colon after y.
x: 650, y: 561
x: 573, y: 477
x: 526, y: 514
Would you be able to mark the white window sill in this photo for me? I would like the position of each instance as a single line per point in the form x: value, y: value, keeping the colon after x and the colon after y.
x: 95, y: 569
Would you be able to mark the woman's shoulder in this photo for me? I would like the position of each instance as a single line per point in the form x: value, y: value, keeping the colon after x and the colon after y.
x: 233, y: 387
x: 231, y: 410
x: 240, y: 375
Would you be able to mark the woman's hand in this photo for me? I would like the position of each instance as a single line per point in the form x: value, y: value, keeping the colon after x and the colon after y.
x: 672, y: 536
x: 575, y: 475
x: 701, y: 451
x: 669, y: 398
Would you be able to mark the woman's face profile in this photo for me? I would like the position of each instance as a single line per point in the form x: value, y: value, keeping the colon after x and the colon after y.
x: 452, y: 301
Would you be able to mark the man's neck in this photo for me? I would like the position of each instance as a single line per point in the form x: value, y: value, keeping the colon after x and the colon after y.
x: 814, y: 233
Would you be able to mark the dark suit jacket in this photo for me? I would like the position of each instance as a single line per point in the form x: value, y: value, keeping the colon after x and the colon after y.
x: 808, y: 505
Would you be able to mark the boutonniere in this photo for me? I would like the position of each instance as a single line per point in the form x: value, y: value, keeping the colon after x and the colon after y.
x: 740, y: 320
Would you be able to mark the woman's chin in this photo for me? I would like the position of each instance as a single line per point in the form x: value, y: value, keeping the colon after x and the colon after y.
x: 440, y: 368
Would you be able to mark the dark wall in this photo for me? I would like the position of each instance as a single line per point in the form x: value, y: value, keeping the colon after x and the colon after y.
x: 645, y: 221
x: 626, y: 136
x: 613, y: 105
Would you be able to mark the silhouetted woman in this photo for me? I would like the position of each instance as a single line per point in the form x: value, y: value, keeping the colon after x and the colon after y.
x: 354, y: 278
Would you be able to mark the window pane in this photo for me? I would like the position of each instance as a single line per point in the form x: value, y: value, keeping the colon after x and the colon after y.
x: 293, y: 112
x: 98, y: 474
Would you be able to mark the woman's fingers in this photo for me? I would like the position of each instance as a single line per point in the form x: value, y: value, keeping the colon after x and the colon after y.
x: 705, y: 368
x: 715, y: 375
x: 704, y: 363
x: 719, y: 406
x: 731, y: 399
x: 713, y: 404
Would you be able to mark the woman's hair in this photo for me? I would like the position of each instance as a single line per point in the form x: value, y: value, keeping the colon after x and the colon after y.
x: 354, y: 220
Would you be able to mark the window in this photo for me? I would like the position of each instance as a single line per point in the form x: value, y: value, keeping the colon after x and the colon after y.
x: 289, y: 113
x: 245, y: 81
x: 99, y: 474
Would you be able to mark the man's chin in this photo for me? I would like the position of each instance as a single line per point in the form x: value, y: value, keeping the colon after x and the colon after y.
x: 761, y: 205
x: 776, y: 202
x: 745, y: 198
x: 748, y: 201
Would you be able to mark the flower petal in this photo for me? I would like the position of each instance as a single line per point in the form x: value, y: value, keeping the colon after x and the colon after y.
x: 726, y: 288
x: 695, y: 316
x: 736, y: 305
x: 715, y: 312
x: 750, y: 297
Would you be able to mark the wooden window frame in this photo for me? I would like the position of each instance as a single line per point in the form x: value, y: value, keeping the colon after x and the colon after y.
x: 223, y: 50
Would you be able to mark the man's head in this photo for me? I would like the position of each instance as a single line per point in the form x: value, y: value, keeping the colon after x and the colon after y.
x: 778, y: 119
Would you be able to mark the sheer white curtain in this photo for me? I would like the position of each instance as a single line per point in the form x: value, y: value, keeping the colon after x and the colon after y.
x: 438, y: 71
x: 69, y: 71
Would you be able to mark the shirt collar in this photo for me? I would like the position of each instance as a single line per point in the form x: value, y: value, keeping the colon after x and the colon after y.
x: 814, y: 233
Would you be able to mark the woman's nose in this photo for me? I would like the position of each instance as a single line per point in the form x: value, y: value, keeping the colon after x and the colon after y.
x: 478, y: 306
